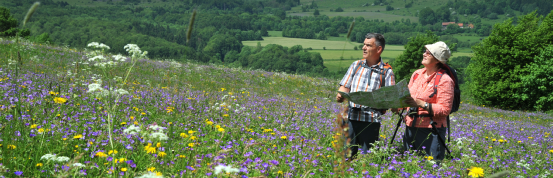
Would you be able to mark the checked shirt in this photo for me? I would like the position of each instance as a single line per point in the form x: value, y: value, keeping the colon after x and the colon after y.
x: 367, y: 79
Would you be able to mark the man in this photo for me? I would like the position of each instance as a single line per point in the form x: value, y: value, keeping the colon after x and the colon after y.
x: 365, y: 75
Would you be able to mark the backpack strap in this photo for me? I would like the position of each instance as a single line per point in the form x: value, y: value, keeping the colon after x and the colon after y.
x: 437, y: 81
x: 383, y: 73
x: 356, y: 68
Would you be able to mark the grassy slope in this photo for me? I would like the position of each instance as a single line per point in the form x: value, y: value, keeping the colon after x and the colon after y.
x: 272, y: 118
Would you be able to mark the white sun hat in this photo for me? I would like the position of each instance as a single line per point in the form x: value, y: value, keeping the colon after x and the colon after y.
x: 440, y: 51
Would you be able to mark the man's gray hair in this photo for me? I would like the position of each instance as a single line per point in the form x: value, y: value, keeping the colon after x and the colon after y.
x: 378, y: 39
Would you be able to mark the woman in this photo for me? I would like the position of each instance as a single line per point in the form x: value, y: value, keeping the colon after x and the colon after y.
x: 430, y: 103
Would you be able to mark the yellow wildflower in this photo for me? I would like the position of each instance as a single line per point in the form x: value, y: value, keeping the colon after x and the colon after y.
x: 123, y: 123
x: 429, y: 158
x: 191, y: 145
x: 283, y: 137
x: 191, y: 132
x: 101, y: 154
x: 124, y: 169
x: 208, y: 122
x: 149, y: 148
x: 162, y: 154
x: 221, y: 130
x: 225, y: 115
x: 151, y: 169
x: 40, y: 130
x: 33, y: 126
x: 183, y: 135
x: 39, y: 165
x: 60, y: 100
x: 112, y: 152
x: 13, y: 147
x: 78, y: 136
x: 476, y: 172
x: 53, y: 93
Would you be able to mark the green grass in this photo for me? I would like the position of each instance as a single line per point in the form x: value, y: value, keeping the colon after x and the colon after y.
x: 274, y: 34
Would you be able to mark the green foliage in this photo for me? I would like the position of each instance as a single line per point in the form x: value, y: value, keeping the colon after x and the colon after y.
x: 503, y: 58
x: 460, y: 64
x: 427, y: 16
x: 220, y: 44
x: 8, y: 24
x: 322, y: 36
x: 410, y: 59
x: 339, y: 9
x: 316, y: 12
x: 275, y: 57
x: 538, y: 85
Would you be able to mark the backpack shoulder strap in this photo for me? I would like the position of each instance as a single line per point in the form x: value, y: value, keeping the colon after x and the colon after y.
x: 383, y: 74
x: 356, y: 68
x: 437, y: 81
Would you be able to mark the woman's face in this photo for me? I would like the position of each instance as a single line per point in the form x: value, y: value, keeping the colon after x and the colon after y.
x: 428, y: 60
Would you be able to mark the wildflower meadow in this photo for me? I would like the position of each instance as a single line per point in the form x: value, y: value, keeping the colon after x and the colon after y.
x: 85, y: 113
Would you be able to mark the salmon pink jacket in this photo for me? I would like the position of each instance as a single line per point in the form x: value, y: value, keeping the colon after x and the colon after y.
x: 421, y: 88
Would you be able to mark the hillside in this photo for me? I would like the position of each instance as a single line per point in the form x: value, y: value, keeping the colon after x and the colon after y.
x: 161, y: 27
x: 187, y: 119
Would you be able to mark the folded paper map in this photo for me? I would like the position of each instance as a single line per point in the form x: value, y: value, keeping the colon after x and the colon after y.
x: 383, y: 98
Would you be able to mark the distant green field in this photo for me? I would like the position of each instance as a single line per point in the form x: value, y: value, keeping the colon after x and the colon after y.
x: 335, y: 49
x: 274, y: 34
x: 313, y: 43
x: 306, y: 43
x: 366, y: 15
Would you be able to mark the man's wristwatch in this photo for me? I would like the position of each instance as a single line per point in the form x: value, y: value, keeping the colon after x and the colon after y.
x: 425, y: 107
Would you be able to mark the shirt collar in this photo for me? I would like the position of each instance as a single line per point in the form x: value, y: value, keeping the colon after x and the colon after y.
x: 380, y: 64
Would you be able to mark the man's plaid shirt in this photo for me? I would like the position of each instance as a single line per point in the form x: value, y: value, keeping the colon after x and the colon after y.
x: 366, y: 78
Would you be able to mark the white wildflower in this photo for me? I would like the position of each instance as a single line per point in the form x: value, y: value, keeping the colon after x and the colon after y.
x: 79, y: 165
x: 48, y: 157
x: 62, y: 159
x: 132, y: 130
x: 97, y: 58
x: 98, y: 45
x: 149, y: 175
x: 121, y: 92
x: 95, y: 87
x: 155, y: 127
x: 228, y: 169
x: 159, y: 135
x: 93, y: 44
x: 111, y: 63
x: 119, y: 57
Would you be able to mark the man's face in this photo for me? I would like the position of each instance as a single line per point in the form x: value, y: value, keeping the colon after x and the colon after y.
x: 370, y: 49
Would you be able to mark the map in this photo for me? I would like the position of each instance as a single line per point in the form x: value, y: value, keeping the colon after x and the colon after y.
x: 383, y: 98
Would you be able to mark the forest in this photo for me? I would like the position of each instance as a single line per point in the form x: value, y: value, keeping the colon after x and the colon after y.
x: 221, y: 26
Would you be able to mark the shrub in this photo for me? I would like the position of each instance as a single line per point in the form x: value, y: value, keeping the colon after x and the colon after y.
x: 505, y: 57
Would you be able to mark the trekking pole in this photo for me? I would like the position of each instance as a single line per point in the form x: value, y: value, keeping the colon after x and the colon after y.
x: 433, y: 124
x: 397, y: 126
x: 448, y: 130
